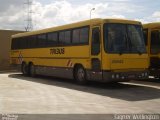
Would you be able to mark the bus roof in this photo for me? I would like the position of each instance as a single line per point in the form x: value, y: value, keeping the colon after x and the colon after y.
x: 154, y: 25
x: 77, y: 24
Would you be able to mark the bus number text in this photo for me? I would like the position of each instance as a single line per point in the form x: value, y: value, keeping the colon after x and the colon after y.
x: 57, y: 51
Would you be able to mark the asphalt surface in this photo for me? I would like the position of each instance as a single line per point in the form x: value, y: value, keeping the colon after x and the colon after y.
x: 41, y: 95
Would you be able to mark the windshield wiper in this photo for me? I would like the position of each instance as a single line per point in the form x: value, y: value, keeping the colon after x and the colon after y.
x: 139, y: 52
x: 141, y: 49
x: 120, y: 52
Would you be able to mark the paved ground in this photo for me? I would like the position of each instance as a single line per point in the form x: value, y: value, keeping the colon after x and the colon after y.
x: 20, y: 94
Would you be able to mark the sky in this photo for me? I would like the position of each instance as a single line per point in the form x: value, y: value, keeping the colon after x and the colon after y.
x: 50, y: 13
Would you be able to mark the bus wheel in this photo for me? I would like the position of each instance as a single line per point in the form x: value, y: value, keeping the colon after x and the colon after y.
x: 32, y: 70
x: 80, y: 75
x: 24, y: 69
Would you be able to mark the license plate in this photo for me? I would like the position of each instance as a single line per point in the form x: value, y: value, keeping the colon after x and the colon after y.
x: 131, y: 76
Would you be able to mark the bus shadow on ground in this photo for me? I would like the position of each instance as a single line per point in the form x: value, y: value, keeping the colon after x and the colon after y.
x: 152, y: 80
x: 123, y: 91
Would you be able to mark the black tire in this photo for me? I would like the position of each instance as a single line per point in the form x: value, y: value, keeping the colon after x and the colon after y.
x: 80, y: 75
x: 32, y: 72
x: 24, y: 69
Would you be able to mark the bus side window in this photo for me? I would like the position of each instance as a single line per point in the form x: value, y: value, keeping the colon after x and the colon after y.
x: 13, y: 44
x: 155, y: 42
x: 145, y: 34
x: 95, y: 41
x: 41, y: 40
x: 52, y: 39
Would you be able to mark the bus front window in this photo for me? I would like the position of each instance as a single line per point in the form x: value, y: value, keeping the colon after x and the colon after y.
x: 115, y: 38
x: 123, y: 38
x: 135, y: 34
x: 155, y: 42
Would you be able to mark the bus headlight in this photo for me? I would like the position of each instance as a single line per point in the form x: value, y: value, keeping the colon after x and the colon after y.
x: 117, y: 76
x: 113, y: 76
x: 146, y: 74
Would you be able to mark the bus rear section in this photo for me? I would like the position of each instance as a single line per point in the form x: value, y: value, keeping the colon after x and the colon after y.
x: 121, y: 54
x: 152, y: 41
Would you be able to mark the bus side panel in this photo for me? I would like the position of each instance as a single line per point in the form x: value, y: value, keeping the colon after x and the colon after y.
x: 55, y: 61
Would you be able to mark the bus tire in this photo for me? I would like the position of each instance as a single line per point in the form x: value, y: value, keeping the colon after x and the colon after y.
x: 24, y: 68
x: 80, y: 75
x: 32, y: 72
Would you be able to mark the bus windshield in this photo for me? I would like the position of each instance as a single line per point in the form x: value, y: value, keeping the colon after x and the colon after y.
x: 123, y: 38
x: 155, y: 42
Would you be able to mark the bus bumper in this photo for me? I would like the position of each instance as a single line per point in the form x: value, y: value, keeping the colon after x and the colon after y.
x: 112, y: 76
x: 154, y: 72
x: 124, y: 76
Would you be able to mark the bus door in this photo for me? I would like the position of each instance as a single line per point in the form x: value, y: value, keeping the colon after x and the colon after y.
x: 96, y: 73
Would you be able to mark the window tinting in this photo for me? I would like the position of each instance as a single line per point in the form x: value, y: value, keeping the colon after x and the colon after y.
x: 76, y: 36
x: 116, y: 38
x: 145, y: 34
x: 41, y: 40
x: 95, y: 41
x: 23, y: 43
x: 135, y: 35
x: 155, y: 42
x: 14, y: 44
x: 80, y: 35
x: 84, y: 32
x: 32, y: 41
x: 61, y: 37
x: 67, y: 37
x: 18, y: 43
x: 124, y: 38
x: 52, y: 39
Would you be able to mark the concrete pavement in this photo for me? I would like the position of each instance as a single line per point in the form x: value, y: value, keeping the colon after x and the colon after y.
x: 20, y: 94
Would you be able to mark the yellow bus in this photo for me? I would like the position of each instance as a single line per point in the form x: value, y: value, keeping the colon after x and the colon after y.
x: 98, y: 49
x: 152, y: 41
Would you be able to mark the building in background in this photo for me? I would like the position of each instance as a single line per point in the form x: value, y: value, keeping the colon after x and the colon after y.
x: 5, y: 38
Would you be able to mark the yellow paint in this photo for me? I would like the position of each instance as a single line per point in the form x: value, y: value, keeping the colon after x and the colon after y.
x: 81, y: 54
